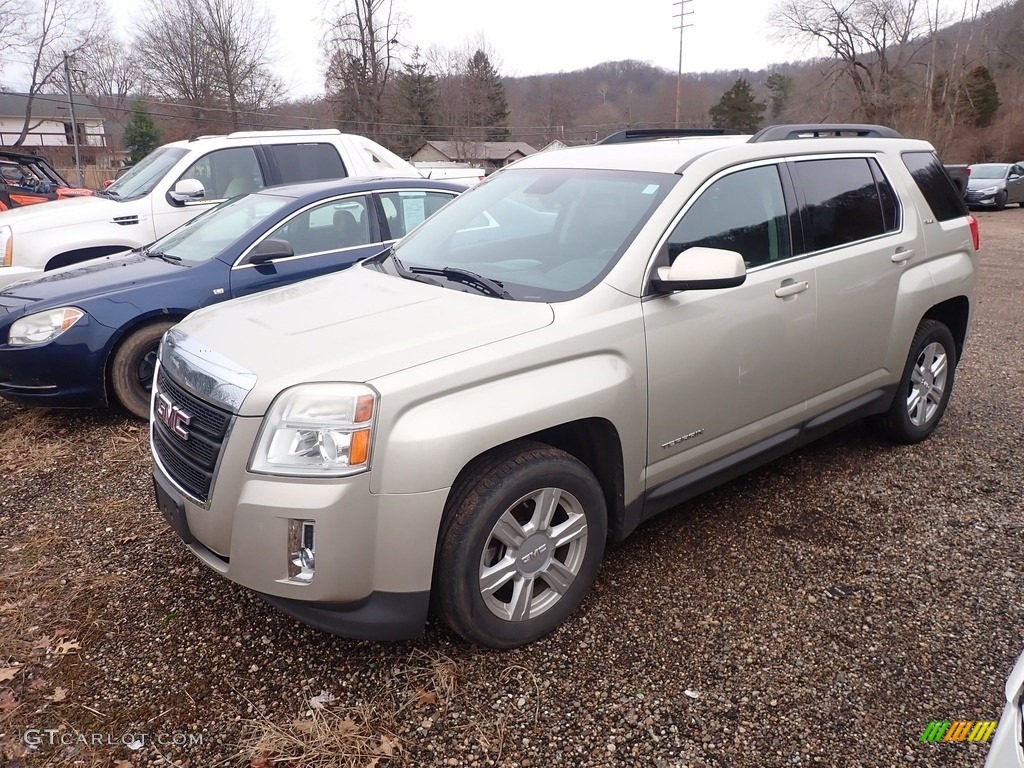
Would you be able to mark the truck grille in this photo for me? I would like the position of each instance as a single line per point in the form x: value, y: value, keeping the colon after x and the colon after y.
x: 190, y: 461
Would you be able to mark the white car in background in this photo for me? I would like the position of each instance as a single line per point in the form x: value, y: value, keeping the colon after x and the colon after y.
x: 1006, y: 750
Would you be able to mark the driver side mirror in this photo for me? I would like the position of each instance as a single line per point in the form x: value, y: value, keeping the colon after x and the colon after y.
x: 701, y: 269
x: 269, y: 250
x: 188, y: 190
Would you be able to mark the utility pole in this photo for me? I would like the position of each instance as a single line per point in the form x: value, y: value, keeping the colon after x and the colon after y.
x: 683, y: 13
x: 74, y: 120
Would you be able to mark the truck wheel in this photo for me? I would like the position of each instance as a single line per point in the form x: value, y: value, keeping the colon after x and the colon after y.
x: 924, y: 388
x: 523, y: 535
x: 131, y: 372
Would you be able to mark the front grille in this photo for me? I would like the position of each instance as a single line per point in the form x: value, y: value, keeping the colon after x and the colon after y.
x: 190, y: 461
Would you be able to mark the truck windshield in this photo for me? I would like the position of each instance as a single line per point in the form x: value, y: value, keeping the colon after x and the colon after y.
x: 542, y: 234
x: 210, y: 233
x: 145, y: 174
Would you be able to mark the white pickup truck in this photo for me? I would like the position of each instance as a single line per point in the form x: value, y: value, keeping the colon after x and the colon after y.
x: 173, y: 184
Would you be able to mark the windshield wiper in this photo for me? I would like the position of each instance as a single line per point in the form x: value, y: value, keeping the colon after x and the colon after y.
x: 481, y: 284
x: 168, y: 257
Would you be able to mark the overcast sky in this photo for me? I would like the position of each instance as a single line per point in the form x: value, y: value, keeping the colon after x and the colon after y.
x: 538, y: 36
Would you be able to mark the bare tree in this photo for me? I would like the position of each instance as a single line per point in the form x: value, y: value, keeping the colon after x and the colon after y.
x: 870, y: 45
x: 49, y: 30
x: 361, y: 47
x: 213, y: 55
x: 107, y: 70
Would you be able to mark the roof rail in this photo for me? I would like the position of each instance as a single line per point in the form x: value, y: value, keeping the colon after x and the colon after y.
x: 823, y: 130
x: 647, y: 134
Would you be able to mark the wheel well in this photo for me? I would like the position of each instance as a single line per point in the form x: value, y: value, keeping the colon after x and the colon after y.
x: 595, y: 442
x: 125, y: 333
x: 953, y: 313
x: 81, y: 254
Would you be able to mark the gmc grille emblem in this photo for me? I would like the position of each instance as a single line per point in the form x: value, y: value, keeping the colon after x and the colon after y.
x: 172, y: 416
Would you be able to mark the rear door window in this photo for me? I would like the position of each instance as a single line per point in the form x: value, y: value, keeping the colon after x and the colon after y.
x: 308, y: 162
x: 406, y: 210
x: 938, y: 189
x: 844, y: 200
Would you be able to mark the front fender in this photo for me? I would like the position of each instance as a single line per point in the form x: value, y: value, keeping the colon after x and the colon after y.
x: 425, y: 445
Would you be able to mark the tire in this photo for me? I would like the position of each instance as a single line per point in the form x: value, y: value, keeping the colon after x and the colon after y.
x: 503, y: 578
x: 1001, y: 201
x: 131, y: 370
x: 924, y: 388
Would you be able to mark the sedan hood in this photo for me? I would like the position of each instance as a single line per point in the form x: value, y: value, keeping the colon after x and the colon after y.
x: 65, y: 212
x: 973, y: 183
x: 356, y: 326
x: 91, y: 279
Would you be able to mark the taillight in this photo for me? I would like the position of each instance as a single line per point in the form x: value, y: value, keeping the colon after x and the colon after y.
x: 975, y: 232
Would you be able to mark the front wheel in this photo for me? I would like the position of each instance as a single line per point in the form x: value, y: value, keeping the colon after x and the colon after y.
x: 1001, y: 200
x: 133, y: 366
x: 523, y: 535
x: 924, y: 388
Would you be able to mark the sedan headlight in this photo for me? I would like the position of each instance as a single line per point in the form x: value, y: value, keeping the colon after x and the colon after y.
x: 989, y: 190
x: 6, y: 247
x: 43, y: 326
x: 317, y: 430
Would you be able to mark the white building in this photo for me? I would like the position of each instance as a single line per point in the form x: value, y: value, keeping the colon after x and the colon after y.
x: 50, y: 125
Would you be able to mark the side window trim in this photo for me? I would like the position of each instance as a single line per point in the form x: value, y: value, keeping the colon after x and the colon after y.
x: 243, y: 260
x: 261, y: 162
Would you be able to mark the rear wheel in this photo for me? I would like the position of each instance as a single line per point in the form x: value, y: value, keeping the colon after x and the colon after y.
x: 133, y: 367
x: 523, y: 536
x: 924, y: 388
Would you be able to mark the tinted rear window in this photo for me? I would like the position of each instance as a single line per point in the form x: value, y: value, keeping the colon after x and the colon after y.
x: 308, y: 162
x: 936, y: 186
x: 843, y: 201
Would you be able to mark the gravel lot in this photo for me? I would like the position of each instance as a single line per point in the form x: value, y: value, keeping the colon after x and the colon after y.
x: 820, y: 611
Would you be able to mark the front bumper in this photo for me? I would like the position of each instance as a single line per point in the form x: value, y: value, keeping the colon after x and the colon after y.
x: 374, y: 553
x: 68, y: 372
x: 15, y: 273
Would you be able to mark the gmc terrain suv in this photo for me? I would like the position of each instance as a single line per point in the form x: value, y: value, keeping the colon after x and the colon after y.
x: 584, y: 340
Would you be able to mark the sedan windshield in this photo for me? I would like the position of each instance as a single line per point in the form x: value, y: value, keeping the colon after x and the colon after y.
x: 145, y: 175
x: 989, y: 171
x: 534, y: 234
x: 210, y: 233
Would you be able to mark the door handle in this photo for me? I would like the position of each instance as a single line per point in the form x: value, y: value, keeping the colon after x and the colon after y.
x: 902, y: 255
x: 791, y: 289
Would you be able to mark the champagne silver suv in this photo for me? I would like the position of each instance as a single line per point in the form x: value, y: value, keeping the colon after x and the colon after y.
x: 584, y: 340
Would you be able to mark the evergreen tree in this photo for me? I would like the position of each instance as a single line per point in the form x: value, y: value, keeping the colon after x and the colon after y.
x: 141, y: 135
x: 417, y: 105
x: 982, y: 95
x: 489, y: 108
x: 779, y: 88
x: 738, y: 109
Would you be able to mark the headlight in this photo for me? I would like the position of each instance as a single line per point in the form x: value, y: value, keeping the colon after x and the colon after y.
x: 317, y: 430
x: 6, y: 246
x: 989, y: 191
x: 43, y: 326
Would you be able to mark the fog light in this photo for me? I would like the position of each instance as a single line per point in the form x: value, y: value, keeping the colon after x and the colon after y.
x: 301, y: 563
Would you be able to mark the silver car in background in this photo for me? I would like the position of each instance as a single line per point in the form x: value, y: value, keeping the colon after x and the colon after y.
x: 994, y: 185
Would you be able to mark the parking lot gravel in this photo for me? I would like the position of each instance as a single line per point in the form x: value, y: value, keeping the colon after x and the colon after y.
x: 820, y: 611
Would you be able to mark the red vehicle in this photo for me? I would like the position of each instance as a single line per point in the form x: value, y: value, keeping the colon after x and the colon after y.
x: 26, y: 179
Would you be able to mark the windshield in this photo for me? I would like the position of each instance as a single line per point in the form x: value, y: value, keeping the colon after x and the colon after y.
x: 146, y: 174
x: 539, y: 234
x: 209, y: 234
x: 989, y: 171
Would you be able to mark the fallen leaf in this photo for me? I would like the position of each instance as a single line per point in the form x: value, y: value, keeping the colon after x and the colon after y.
x: 8, y: 701
x: 261, y: 762
x: 8, y: 673
x: 123, y: 764
x: 425, y: 698
x: 321, y: 700
x: 348, y: 725
x: 65, y: 647
x: 59, y: 694
x: 386, y: 748
x: 43, y: 642
x: 302, y: 726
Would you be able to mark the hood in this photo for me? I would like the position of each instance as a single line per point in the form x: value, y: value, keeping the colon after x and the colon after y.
x: 973, y: 183
x: 92, y: 279
x: 356, y: 325
x: 63, y: 212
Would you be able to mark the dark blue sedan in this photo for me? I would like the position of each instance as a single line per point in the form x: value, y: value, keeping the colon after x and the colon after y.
x: 84, y: 335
